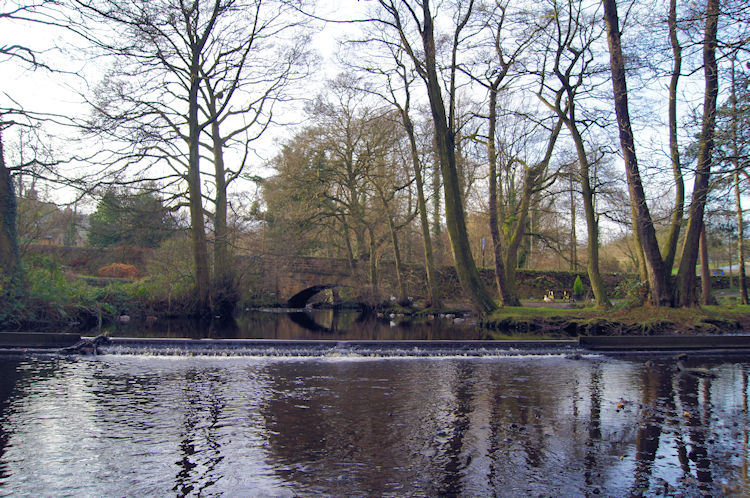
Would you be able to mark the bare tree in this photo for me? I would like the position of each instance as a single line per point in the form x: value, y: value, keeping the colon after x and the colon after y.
x: 657, y: 276
x: 182, y: 70
x: 685, y: 292
x: 567, y: 68
x: 661, y: 292
x: 412, y: 26
x: 29, y: 12
x: 386, y: 62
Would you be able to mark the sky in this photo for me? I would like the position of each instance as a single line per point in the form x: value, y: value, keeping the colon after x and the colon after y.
x: 61, y: 92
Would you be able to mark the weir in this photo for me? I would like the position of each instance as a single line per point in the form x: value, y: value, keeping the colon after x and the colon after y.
x: 383, y: 348
x: 274, y: 347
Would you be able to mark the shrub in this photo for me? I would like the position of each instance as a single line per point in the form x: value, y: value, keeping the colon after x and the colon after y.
x: 633, y: 293
x: 578, y: 286
x: 118, y: 270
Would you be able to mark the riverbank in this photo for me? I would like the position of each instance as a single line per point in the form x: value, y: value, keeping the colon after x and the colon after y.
x: 638, y: 321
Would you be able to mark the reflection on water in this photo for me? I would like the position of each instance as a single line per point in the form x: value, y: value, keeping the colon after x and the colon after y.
x: 515, y: 426
x: 305, y: 325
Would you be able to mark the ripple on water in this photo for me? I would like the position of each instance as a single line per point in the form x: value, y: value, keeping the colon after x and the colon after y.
x: 153, y: 425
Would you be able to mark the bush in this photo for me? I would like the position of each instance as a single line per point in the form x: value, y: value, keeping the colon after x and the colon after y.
x: 118, y: 270
x: 633, y: 292
x: 578, y: 286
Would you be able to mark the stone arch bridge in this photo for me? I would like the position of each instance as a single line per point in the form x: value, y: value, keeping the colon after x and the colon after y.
x: 283, y: 277
x: 296, y: 280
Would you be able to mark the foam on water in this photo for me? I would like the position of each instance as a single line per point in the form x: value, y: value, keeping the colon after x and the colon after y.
x: 336, y: 349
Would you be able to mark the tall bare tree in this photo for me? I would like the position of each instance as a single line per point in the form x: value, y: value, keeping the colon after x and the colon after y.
x: 412, y: 25
x: 184, y: 70
x: 685, y: 294
x: 388, y: 63
x: 567, y: 68
x: 661, y: 291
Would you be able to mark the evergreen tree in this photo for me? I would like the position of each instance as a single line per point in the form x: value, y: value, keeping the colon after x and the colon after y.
x: 133, y: 219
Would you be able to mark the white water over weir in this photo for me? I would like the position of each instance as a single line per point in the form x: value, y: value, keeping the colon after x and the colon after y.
x: 275, y: 347
x: 42, y: 343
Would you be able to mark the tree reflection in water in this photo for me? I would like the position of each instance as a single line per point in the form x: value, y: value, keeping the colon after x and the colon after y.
x: 515, y: 426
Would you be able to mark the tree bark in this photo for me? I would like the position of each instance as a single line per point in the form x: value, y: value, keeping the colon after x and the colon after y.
x: 685, y: 291
x: 224, y: 294
x: 373, y: 261
x: 639, y: 256
x: 660, y: 294
x: 740, y: 240
x: 396, y: 258
x: 737, y: 196
x: 573, y: 236
x: 348, y: 244
x: 592, y: 224
x: 198, y: 230
x: 706, y: 296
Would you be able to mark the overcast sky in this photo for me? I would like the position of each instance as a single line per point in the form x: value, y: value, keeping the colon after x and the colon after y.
x: 42, y: 91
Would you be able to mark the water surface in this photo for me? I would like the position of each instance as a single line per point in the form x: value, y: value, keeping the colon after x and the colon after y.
x: 324, y: 324
x: 130, y: 425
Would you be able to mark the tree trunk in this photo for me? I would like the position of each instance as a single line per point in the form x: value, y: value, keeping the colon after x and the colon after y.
x: 592, y: 224
x: 394, y: 242
x: 657, y: 278
x: 10, y: 260
x: 639, y: 256
x: 433, y: 292
x: 573, y: 237
x: 706, y: 296
x: 506, y: 296
x: 195, y: 197
x: 466, y: 269
x: 397, y: 259
x: 674, y: 151
x: 595, y: 278
x: 740, y: 242
x: 224, y: 295
x: 532, y: 177
x: 348, y: 243
x: 514, y: 241
x: 737, y: 197
x: 437, y: 204
x: 373, y: 261
x: 685, y: 292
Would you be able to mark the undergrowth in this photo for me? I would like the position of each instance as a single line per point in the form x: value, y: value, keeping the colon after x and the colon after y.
x: 48, y: 297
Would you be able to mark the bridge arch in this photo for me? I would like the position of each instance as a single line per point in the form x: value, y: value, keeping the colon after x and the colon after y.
x: 300, y: 299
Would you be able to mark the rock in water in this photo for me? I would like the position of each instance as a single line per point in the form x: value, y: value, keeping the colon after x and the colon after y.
x: 87, y: 346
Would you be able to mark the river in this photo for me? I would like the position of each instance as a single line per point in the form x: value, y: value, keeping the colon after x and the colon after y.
x: 344, y: 424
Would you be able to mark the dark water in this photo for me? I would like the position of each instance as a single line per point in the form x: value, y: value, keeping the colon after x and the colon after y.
x: 136, y: 425
x: 308, y: 325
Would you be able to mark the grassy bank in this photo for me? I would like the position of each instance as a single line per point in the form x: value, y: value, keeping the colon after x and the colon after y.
x: 54, y: 298
x: 643, y: 320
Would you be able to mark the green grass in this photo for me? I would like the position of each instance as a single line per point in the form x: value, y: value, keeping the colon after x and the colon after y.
x: 645, y: 320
